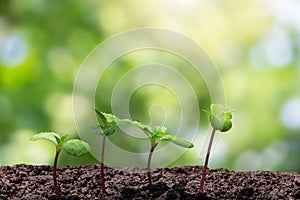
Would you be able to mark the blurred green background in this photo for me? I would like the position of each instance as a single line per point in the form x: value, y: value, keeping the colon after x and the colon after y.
x: 254, y: 44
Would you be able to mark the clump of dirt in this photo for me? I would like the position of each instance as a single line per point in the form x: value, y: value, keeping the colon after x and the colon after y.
x: 83, y: 182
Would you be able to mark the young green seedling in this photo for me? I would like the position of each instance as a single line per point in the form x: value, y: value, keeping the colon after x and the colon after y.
x: 74, y: 147
x: 220, y: 119
x: 156, y: 135
x: 106, y: 128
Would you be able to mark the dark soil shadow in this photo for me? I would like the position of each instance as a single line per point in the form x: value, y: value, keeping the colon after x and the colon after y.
x: 162, y: 191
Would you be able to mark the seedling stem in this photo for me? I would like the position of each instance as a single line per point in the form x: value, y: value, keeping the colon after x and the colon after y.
x: 220, y: 120
x: 74, y: 147
x: 105, y: 128
x: 102, y: 165
x: 206, y: 161
x: 58, y: 149
x: 149, y: 165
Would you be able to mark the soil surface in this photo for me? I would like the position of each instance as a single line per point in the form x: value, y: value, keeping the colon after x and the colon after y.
x: 83, y: 182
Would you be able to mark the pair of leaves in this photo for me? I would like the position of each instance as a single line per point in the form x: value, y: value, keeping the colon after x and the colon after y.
x: 220, y: 117
x: 108, y: 124
x: 74, y: 147
x: 159, y: 133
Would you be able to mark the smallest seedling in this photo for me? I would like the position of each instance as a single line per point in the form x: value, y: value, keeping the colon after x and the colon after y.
x: 74, y: 147
x: 220, y: 119
x: 160, y: 134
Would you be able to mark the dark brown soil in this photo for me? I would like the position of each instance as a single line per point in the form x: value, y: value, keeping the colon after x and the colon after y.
x: 35, y: 182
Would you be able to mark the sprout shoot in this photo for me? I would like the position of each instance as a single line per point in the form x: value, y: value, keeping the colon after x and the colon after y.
x: 74, y: 147
x: 220, y: 119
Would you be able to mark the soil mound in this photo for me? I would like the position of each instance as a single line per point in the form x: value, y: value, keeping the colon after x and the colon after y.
x: 83, y: 182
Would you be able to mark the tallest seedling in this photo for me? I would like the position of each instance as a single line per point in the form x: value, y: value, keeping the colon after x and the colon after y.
x: 220, y: 120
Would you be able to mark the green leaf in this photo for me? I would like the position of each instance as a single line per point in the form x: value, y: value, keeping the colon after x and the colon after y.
x: 228, y: 115
x: 207, y: 112
x: 108, y: 131
x: 220, y: 118
x: 216, y: 122
x: 98, y: 130
x: 76, y: 147
x: 111, y: 119
x: 160, y: 131
x: 177, y: 140
x: 108, y: 119
x: 58, y: 140
x: 182, y: 142
x: 121, y: 122
x: 146, y: 129
x: 50, y: 136
x: 217, y: 109
x: 167, y: 138
x: 227, y: 126
x: 139, y: 125
x: 63, y: 138
x: 101, y: 116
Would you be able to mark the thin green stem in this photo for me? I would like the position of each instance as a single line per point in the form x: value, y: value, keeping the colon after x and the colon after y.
x: 206, y: 161
x: 54, y: 173
x: 153, y: 145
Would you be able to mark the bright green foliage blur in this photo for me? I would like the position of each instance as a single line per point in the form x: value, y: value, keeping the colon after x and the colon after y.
x: 254, y: 44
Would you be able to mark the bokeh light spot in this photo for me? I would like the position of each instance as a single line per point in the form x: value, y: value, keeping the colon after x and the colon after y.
x: 13, y: 50
x: 275, y: 50
x: 268, y: 159
x: 290, y: 114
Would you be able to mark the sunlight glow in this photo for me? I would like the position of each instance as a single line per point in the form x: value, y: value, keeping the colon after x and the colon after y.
x: 275, y: 50
x: 286, y: 12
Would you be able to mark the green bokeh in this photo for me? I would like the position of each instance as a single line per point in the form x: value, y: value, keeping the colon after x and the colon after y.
x: 254, y: 44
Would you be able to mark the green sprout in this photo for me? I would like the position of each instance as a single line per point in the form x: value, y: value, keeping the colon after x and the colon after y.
x: 106, y: 128
x: 220, y: 119
x: 74, y: 147
x: 156, y: 135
